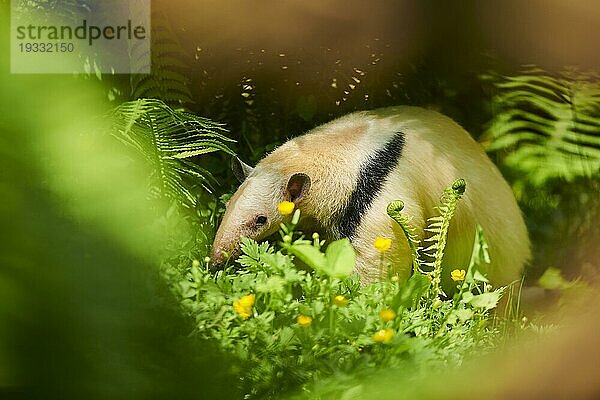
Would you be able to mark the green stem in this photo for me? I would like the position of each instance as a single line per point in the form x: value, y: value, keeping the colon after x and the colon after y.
x: 331, y: 320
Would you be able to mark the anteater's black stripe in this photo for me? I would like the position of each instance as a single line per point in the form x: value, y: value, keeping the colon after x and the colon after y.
x: 371, y: 178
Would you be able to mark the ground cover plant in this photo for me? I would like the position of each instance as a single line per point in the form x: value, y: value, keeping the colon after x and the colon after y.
x: 289, y: 328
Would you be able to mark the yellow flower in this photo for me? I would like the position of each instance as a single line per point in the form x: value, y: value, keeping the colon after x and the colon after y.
x: 304, y: 321
x: 387, y: 314
x: 286, y: 207
x: 383, y: 336
x: 458, y: 275
x: 382, y: 244
x: 248, y: 300
x: 243, y: 306
x: 340, y: 300
x: 244, y: 312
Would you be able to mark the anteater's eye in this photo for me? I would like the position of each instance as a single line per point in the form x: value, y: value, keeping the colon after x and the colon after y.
x: 261, y: 220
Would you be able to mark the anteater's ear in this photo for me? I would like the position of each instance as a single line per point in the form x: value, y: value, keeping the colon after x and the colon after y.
x: 297, y: 187
x: 240, y: 170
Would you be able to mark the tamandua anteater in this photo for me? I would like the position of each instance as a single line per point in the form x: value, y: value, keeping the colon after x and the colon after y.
x: 343, y: 174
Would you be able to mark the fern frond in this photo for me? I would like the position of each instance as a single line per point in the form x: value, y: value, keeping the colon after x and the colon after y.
x: 167, y: 139
x: 439, y: 225
x: 548, y: 127
x: 168, y: 79
x: 394, y: 209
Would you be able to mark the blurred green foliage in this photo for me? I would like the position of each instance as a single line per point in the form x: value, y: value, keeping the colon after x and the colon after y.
x: 547, y: 128
x: 545, y: 134
x: 83, y: 310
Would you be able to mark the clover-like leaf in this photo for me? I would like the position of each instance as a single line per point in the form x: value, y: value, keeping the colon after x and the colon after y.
x: 340, y: 258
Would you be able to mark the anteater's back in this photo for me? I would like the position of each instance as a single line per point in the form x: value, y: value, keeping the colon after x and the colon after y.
x: 362, y: 161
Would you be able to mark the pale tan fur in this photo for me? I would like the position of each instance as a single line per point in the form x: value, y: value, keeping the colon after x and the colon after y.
x: 437, y: 151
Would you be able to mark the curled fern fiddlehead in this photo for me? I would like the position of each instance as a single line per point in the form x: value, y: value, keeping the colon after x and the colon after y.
x: 438, y: 227
x: 394, y: 211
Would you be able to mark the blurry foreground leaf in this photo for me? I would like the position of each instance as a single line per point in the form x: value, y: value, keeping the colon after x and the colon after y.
x: 552, y: 279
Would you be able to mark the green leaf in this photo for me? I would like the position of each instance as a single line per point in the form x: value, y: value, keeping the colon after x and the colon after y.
x: 479, y: 258
x: 552, y: 279
x: 340, y: 258
x: 463, y: 314
x: 188, y: 289
x: 466, y: 296
x: 309, y: 255
x: 487, y: 300
x: 272, y: 285
x: 411, y: 291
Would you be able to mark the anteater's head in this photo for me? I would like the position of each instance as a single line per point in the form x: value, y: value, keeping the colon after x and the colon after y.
x: 252, y: 210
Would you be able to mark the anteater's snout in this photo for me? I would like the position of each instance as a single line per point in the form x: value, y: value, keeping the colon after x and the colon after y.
x: 218, y: 258
x: 221, y: 255
x: 226, y: 245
